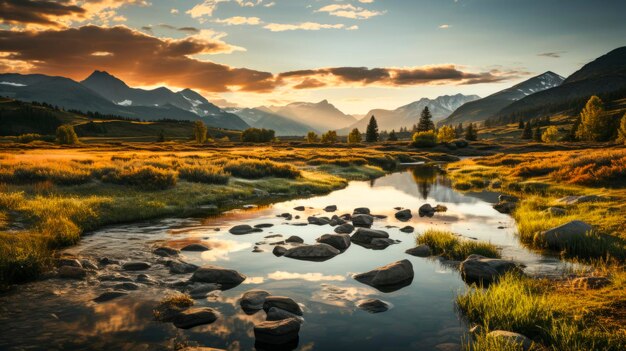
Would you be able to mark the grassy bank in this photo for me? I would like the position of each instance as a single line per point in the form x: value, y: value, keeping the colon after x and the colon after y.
x: 451, y: 247
x: 50, y: 197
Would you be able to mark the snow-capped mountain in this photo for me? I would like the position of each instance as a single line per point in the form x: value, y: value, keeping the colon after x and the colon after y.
x: 484, y: 108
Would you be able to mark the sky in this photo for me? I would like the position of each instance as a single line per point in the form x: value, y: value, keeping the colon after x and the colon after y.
x: 358, y: 54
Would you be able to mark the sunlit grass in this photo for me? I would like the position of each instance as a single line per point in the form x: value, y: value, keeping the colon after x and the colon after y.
x: 452, y: 247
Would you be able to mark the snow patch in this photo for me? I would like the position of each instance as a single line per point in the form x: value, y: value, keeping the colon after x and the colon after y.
x: 125, y: 103
x: 13, y: 84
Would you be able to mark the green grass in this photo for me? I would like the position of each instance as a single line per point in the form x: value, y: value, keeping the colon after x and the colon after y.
x: 452, y: 247
x: 255, y: 169
x: 203, y: 174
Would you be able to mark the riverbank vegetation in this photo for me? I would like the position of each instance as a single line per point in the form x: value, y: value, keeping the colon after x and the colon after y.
x: 451, y: 247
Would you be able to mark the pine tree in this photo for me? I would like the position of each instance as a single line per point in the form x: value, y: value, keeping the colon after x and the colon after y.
x: 459, y: 130
x: 593, y: 125
x: 537, y: 134
x: 371, y: 135
x: 426, y: 121
x: 394, y: 137
x: 527, y: 133
x: 521, y: 125
x: 571, y: 135
x: 471, y: 133
x: 354, y: 137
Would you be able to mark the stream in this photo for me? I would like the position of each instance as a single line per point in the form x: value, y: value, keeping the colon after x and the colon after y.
x: 60, y: 314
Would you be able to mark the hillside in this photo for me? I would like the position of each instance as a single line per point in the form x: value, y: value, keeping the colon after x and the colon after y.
x: 283, y: 126
x: 321, y: 116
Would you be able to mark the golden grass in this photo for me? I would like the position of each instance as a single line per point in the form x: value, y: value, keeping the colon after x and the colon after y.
x: 452, y: 247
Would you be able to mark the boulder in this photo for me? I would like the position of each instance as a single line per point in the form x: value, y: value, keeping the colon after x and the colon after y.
x: 381, y: 243
x: 294, y: 239
x: 361, y: 210
x: 218, y: 275
x: 556, y: 211
x: 404, y: 215
x: 201, y: 290
x: 264, y: 225
x: 512, y: 338
x: 87, y: 264
x: 426, y: 210
x: 339, y: 241
x: 277, y: 314
x: 372, y: 305
x: 243, y: 229
x: 317, y: 252
x: 253, y: 299
x: 335, y: 221
x: 135, y: 266
x: 330, y: 208
x: 195, y: 316
x: 480, y: 269
x: 109, y: 295
x: 505, y: 207
x: 565, y: 235
x: 72, y: 272
x: 195, y: 247
x: 318, y: 220
x: 126, y: 286
x: 388, y: 278
x: 165, y: 251
x: 362, y: 220
x: 364, y: 236
x: 407, y: 229
x: 282, y: 302
x: 180, y: 267
x: 145, y: 279
x: 115, y: 277
x: 420, y: 251
x: 299, y: 208
x: 105, y: 261
x: 277, y: 332
x: 279, y: 251
x: 345, y: 228
x: 71, y: 262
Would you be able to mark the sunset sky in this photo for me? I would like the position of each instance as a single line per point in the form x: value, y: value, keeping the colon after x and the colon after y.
x: 358, y: 54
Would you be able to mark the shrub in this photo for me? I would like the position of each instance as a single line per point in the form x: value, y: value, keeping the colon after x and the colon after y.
x: 330, y: 137
x: 256, y: 135
x: 61, y: 174
x: 256, y: 169
x: 424, y: 139
x: 199, y: 132
x: 354, y: 137
x: 621, y: 131
x: 594, y: 124
x: 451, y: 247
x: 145, y: 177
x: 66, y: 135
x: 27, y: 138
x: 551, y: 135
x: 203, y: 174
x: 446, y: 134
x: 312, y: 137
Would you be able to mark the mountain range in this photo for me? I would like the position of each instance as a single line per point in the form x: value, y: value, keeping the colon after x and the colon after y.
x: 321, y: 116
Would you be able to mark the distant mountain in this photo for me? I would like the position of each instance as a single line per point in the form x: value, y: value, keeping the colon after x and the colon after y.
x: 260, y: 118
x: 321, y: 116
x: 605, y: 77
x: 69, y: 94
x: 408, y: 115
x: 484, y: 108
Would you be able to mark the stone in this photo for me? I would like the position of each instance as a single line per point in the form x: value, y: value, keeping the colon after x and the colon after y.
x: 507, y: 198
x: 512, y: 338
x: 362, y: 220
x: 318, y: 220
x: 277, y: 314
x: 420, y: 251
x: 299, y: 208
x: 195, y: 248
x: 180, y: 267
x: 279, y: 251
x: 72, y: 272
x: 282, y: 302
x: 294, y: 239
x: 330, y: 208
x: 372, y: 305
x: 243, y: 229
x: 317, y: 252
x: 591, y: 282
x: 277, y: 332
x: 381, y: 243
x: 195, y: 316
x: 335, y: 221
x: 404, y: 215
x: 388, y: 278
x: 345, y: 228
x: 483, y: 270
x: 105, y: 261
x: 165, y: 251
x: 273, y: 236
x: 361, y: 210
x: 556, y: 211
x: 109, y: 295
x: 145, y: 279
x: 426, y: 210
x: 253, y: 299
x: 364, y: 236
x: 566, y: 235
x: 201, y: 290
x: 115, y: 277
x: 71, y: 262
x: 218, y: 275
x: 339, y: 241
x: 126, y: 286
x: 407, y: 229
x: 264, y: 225
x: 135, y: 266
x: 505, y: 207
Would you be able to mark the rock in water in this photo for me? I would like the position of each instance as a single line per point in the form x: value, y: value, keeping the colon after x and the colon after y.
x: 282, y: 302
x: 109, y: 295
x: 317, y: 252
x: 277, y: 314
x: 253, y: 299
x: 362, y: 220
x: 361, y: 210
x: 277, y: 332
x: 135, y: 266
x: 426, y: 210
x: 72, y: 272
x: 364, y: 236
x: 407, y: 229
x: 566, y: 235
x: 195, y: 248
x: 331, y: 208
x: 345, y: 228
x: 480, y: 269
x: 195, y: 316
x: 279, y: 251
x: 505, y: 207
x: 338, y: 241
x: 388, y: 278
x: 318, y: 220
x: 165, y: 251
x: 243, y: 229
x: 180, y: 267
x: 213, y: 274
x: 200, y: 291
x: 404, y: 215
x: 420, y: 251
x: 294, y: 239
x: 372, y: 305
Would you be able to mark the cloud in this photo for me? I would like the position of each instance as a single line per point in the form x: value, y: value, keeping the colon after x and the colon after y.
x: 138, y: 58
x: 280, y: 27
x: 239, y: 20
x: 312, y: 277
x: 348, y: 11
x: 174, y: 11
x: 207, y: 7
x: 444, y: 26
x: 555, y: 54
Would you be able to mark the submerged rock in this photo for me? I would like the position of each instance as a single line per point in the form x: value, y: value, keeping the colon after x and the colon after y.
x: 277, y: 332
x: 282, y: 302
x: 420, y: 251
x: 195, y: 316
x: 388, y: 278
x: 126, y: 286
x: 201, y: 290
x: 109, y: 295
x: 136, y: 266
x: 243, y: 229
x: 277, y: 314
x: 196, y: 248
x: 253, y: 299
x: 373, y: 305
x: 218, y: 275
x: 338, y: 241
x: 480, y: 269
x: 317, y: 252
x: 566, y: 235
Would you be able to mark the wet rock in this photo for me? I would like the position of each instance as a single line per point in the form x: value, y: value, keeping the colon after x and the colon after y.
x: 135, y: 266
x: 346, y: 217
x: 294, y: 239
x: 165, y: 251
x: 361, y: 210
x: 507, y: 198
x: 556, y: 211
x: 257, y: 249
x: 105, y: 261
x: 372, y: 305
x: 404, y: 215
x: 388, y: 278
x: 398, y: 208
x: 264, y: 225
x: 480, y: 269
x: 335, y: 221
x: 572, y: 200
x: 331, y: 208
x: 505, y: 207
x: 440, y: 208
x: 253, y: 299
x: 195, y: 248
x: 318, y: 220
x: 591, y: 282
x: 126, y: 286
x: 364, y: 236
x: 338, y: 241
x: 109, y: 295
x: 273, y: 236
x: 345, y: 228
x: 72, y: 272
x: 512, y: 338
x: 115, y: 277
x: 379, y: 216
x: 87, y: 264
x: 180, y: 267
x: 282, y: 302
x: 279, y: 251
x: 243, y: 229
x: 300, y: 224
x: 566, y: 235
x: 285, y: 215
x: 218, y: 275
x: 362, y: 220
x: 145, y: 279
x: 195, y: 316
x: 200, y: 291
x: 317, y: 252
x: 426, y: 210
x: 407, y: 229
x: 277, y: 332
x: 282, y: 242
x: 420, y: 251
x: 381, y: 243
x: 71, y: 262
x: 277, y: 314
x: 299, y: 208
